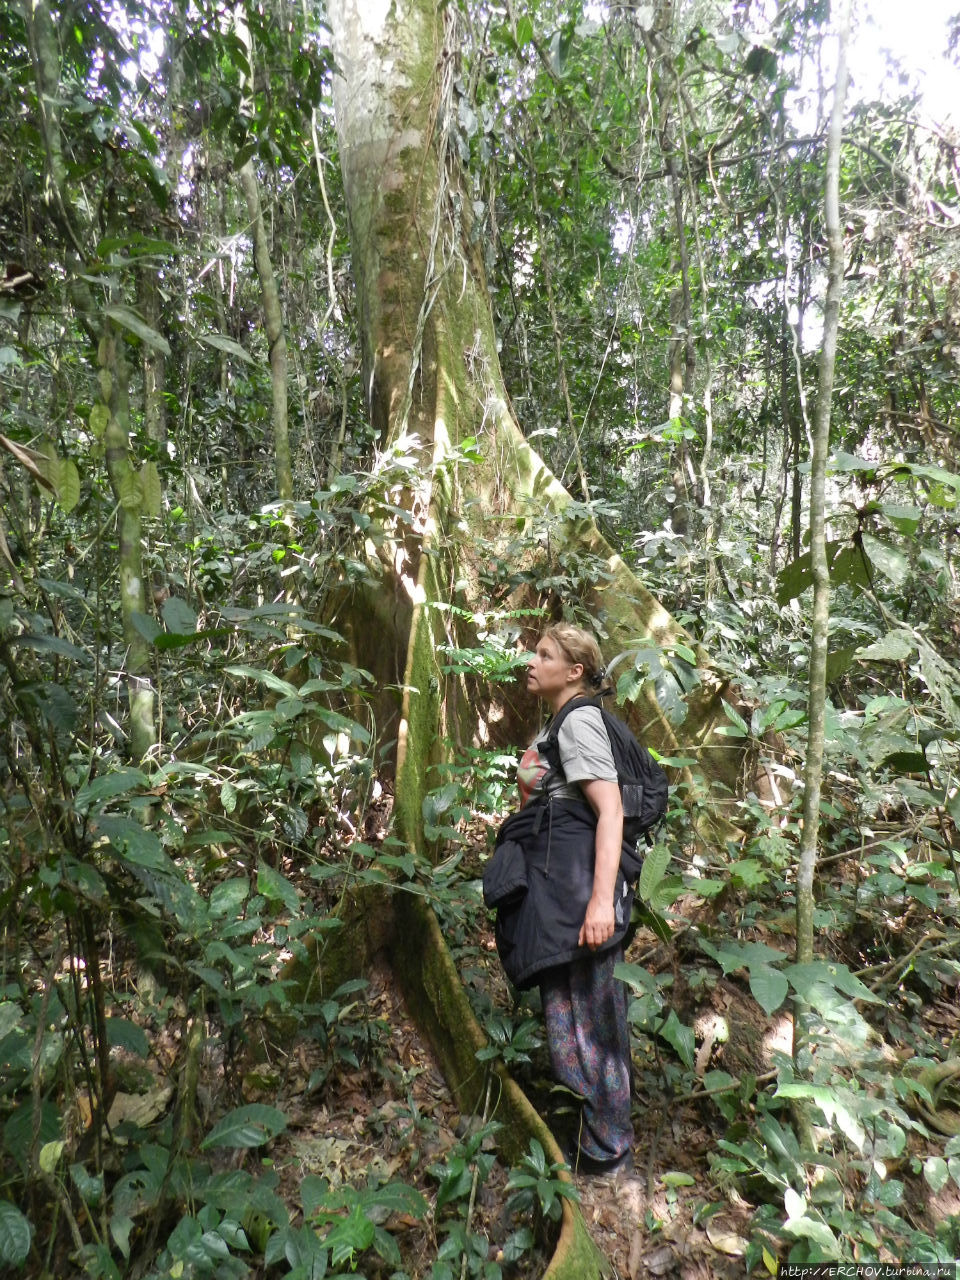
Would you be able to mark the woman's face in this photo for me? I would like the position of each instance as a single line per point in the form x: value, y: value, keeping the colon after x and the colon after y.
x: 550, y: 672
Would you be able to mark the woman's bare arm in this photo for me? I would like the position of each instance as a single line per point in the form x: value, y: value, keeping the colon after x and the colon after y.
x: 599, y: 922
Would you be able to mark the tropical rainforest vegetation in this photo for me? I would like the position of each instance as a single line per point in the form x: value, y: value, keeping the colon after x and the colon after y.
x: 340, y: 348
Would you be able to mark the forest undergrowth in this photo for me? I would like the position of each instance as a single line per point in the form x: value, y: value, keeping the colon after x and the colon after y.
x: 198, y: 1080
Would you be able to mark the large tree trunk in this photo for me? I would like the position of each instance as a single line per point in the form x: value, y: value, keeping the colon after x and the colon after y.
x: 433, y: 381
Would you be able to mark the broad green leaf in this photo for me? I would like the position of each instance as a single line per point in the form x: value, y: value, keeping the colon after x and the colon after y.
x: 10, y: 1016
x: 68, y: 485
x: 130, y: 491
x: 637, y: 978
x: 841, y: 461
x: 227, y: 898
x: 891, y: 561
x: 18, y: 1130
x: 52, y: 644
x: 742, y: 955
x: 179, y: 618
x: 15, y: 1233
x: 837, y: 1109
x: 152, y: 489
x: 128, y: 319
x: 147, y: 626
x: 846, y: 566
x: 229, y: 345
x: 228, y: 796
x: 117, y: 783
x: 769, y: 988
x: 50, y: 1154
x: 249, y: 1126
x: 895, y: 646
x: 353, y: 1235
x: 655, y: 865
x: 936, y: 1173
x: 124, y: 1034
x: 263, y: 676
x: 89, y: 1185
x: 48, y: 462
x: 904, y: 519
x: 99, y: 420
x: 945, y: 487
x: 524, y: 31
x: 137, y: 243
x: 681, y: 1037
x: 839, y: 662
x: 135, y: 843
x: 739, y: 724
x: 277, y: 888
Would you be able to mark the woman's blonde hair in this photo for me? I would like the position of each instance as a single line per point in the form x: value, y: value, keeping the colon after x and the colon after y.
x: 578, y: 645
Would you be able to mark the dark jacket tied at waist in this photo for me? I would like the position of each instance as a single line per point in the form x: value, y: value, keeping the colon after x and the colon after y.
x: 540, y: 879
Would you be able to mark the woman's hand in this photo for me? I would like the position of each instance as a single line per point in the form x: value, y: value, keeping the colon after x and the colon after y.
x: 599, y: 924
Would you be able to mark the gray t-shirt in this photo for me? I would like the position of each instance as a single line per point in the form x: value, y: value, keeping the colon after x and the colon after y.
x: 585, y: 754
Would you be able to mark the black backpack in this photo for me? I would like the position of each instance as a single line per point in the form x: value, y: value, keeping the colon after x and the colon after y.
x: 643, y: 784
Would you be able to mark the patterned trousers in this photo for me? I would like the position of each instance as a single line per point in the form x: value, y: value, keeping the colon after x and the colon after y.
x: 585, y: 1009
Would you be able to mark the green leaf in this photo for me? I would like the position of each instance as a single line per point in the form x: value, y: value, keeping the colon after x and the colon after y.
x: 147, y: 626
x: 680, y: 1037
x: 655, y: 865
x: 229, y: 345
x: 277, y: 888
x: 152, y: 489
x: 740, y: 727
x: 10, y: 1016
x: 936, y: 1173
x: 89, y: 1185
x: 15, y: 1233
x: 180, y: 619
x: 803, y: 977
x: 99, y: 420
x: 524, y: 31
x: 263, y: 677
x: 846, y: 568
x: 135, y: 843
x: 124, y: 1034
x: 118, y: 783
x: 227, y: 898
x: 130, y: 491
x: 891, y: 561
x: 904, y: 519
x: 50, y: 1154
x: 249, y: 1126
x: 769, y: 988
x: 68, y: 485
x: 18, y: 1130
x: 895, y: 646
x: 128, y: 319
x: 353, y: 1235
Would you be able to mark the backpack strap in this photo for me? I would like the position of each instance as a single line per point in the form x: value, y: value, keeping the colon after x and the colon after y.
x: 550, y: 747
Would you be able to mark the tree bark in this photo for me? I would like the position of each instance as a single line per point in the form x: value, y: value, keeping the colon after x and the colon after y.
x: 276, y: 334
x: 816, y: 701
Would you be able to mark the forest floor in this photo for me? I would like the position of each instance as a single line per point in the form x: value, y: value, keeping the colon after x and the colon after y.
x: 391, y: 1115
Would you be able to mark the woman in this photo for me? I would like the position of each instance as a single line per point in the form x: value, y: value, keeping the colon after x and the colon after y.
x: 563, y: 901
